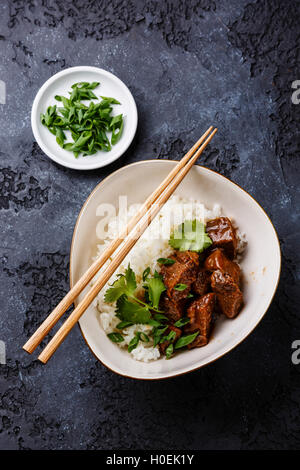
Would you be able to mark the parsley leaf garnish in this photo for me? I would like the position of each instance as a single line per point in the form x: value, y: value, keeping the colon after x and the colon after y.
x: 190, y: 235
x: 125, y: 285
x: 131, y: 311
x: 155, y: 288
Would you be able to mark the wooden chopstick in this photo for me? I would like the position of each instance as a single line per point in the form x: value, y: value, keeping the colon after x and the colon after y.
x: 65, y: 303
x: 118, y: 258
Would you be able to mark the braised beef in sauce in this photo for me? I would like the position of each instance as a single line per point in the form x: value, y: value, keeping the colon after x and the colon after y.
x: 173, y: 309
x: 202, y: 283
x: 229, y: 296
x: 182, y: 272
x: 200, y: 312
x: 222, y: 234
x: 212, y: 284
x: 217, y: 260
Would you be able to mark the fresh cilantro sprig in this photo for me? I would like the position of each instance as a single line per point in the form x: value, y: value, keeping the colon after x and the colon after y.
x: 155, y: 287
x: 124, y: 285
x: 131, y: 309
x: 190, y: 235
x: 128, y: 310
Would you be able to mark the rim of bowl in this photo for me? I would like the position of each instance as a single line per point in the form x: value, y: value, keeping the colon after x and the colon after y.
x: 229, y: 349
x: 76, y: 164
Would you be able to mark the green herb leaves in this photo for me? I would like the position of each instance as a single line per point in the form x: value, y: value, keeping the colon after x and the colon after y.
x: 138, y: 336
x: 125, y: 285
x: 185, y: 340
x: 132, y: 311
x: 157, y: 334
x: 169, y: 351
x: 116, y: 126
x: 124, y: 324
x: 115, y: 337
x: 129, y: 307
x: 146, y: 273
x: 134, y: 342
x: 166, y: 261
x: 190, y: 235
x: 88, y: 125
x: 182, y: 322
x: 180, y: 287
x: 155, y: 287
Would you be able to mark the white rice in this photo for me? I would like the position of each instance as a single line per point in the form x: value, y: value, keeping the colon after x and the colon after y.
x: 152, y: 245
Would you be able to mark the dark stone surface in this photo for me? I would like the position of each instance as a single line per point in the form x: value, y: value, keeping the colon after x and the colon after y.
x: 188, y: 64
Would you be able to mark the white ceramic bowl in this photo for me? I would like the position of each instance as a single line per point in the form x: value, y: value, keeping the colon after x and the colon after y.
x: 260, y: 264
x: 60, y: 84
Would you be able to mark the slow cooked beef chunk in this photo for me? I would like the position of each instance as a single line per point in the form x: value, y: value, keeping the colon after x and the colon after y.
x: 222, y: 234
x: 230, y: 298
x: 202, y: 283
x: 163, y: 346
x: 200, y: 313
x: 218, y: 260
x: 183, y: 271
x: 189, y: 258
x: 173, y: 309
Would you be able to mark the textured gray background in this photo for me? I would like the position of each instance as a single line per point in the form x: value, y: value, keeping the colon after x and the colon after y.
x: 188, y: 64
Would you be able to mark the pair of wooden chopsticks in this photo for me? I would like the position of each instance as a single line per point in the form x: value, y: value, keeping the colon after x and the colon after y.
x: 145, y: 215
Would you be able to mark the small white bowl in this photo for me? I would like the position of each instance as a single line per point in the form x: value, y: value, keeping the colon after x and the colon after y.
x: 260, y: 264
x: 60, y: 84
